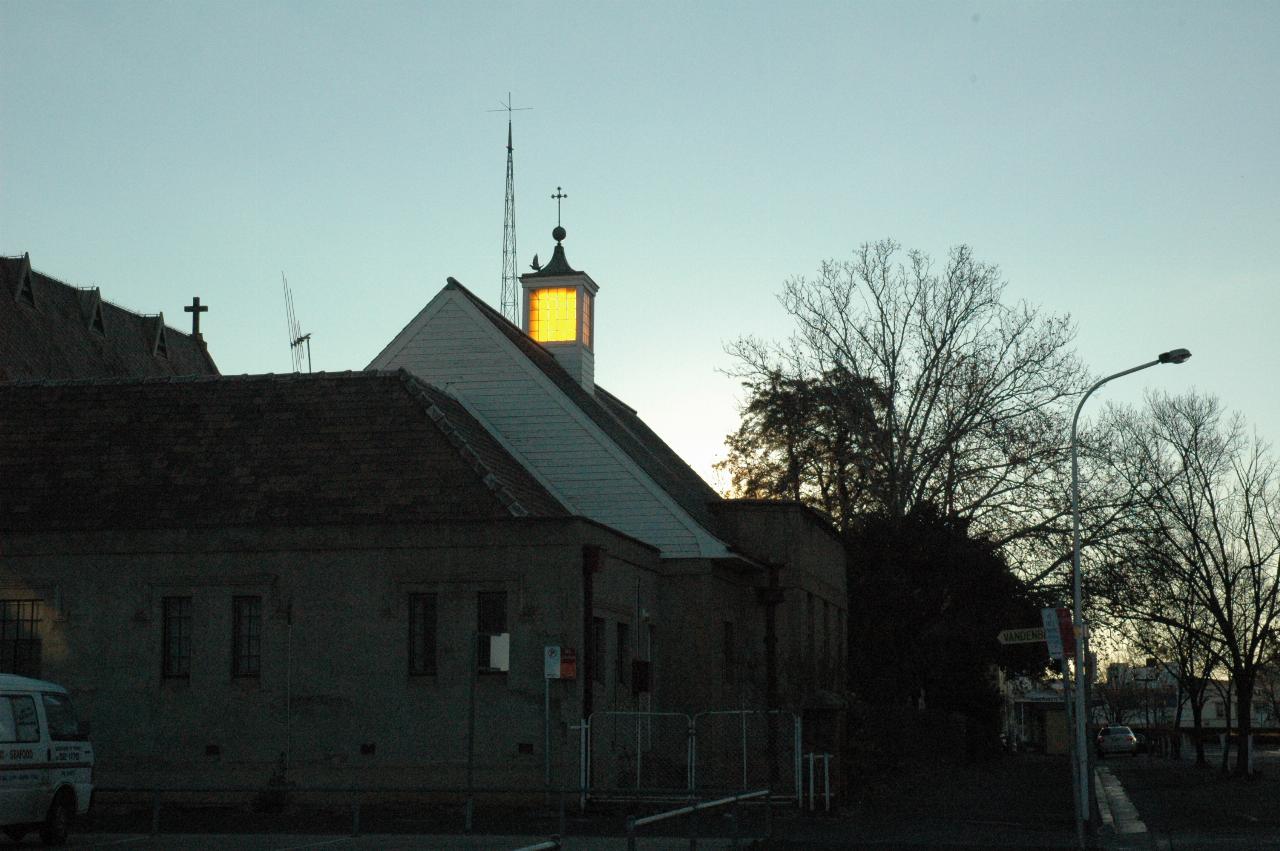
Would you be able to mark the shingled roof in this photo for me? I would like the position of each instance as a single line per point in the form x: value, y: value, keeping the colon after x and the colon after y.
x: 328, y: 448
x: 617, y: 420
x: 52, y: 330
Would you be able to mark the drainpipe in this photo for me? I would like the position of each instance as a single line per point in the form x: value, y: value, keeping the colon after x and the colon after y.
x: 592, y: 562
x: 770, y: 597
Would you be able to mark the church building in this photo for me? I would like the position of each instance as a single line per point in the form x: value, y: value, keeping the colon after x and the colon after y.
x: 361, y: 576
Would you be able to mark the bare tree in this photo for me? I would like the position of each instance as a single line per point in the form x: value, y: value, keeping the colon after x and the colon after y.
x: 1177, y: 645
x: 970, y: 396
x: 1209, y: 498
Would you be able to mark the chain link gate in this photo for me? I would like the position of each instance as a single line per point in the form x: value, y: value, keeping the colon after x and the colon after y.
x: 747, y: 748
x: 648, y: 752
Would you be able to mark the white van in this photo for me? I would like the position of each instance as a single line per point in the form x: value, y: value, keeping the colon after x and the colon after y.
x: 46, y: 761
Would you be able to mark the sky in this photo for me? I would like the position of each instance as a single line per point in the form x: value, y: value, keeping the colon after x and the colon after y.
x: 1120, y: 162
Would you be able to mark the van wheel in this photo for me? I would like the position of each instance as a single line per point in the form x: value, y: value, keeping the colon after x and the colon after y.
x: 58, y: 823
x: 15, y: 832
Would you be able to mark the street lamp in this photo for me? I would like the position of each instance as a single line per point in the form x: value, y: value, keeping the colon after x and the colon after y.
x: 1082, y: 752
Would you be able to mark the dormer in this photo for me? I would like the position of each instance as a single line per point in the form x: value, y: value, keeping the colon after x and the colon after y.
x: 160, y: 345
x: 559, y: 312
x: 91, y: 303
x: 25, y: 294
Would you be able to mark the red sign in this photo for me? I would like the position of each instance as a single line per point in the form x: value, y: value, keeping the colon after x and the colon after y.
x: 568, y: 664
x: 1067, y: 632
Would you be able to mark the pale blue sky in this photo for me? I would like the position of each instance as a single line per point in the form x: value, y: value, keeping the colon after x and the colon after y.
x: 1118, y: 161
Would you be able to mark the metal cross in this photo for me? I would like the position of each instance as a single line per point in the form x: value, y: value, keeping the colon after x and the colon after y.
x: 556, y: 197
x: 195, y: 309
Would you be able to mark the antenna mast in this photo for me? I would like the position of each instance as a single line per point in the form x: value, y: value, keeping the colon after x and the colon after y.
x: 510, y: 309
x: 296, y: 337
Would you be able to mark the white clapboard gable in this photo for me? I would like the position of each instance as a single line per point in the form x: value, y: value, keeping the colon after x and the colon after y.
x: 452, y: 345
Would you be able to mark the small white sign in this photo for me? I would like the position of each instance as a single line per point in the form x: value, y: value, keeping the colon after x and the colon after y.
x: 551, y: 667
x: 500, y: 652
x: 1051, y: 633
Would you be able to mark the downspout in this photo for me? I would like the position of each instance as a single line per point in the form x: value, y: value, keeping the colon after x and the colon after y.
x: 592, y: 561
x: 770, y: 597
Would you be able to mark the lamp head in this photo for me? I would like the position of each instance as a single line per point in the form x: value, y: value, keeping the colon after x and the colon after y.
x: 1175, y: 356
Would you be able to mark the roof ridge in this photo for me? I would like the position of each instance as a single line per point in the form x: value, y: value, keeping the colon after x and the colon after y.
x: 105, y: 301
x: 199, y: 377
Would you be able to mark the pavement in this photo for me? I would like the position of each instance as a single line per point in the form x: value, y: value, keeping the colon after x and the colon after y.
x: 1162, y: 803
x: 1018, y: 801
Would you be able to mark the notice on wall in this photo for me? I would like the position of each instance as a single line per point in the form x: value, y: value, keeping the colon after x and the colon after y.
x: 568, y: 664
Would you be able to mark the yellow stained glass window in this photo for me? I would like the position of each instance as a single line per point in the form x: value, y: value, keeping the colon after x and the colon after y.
x: 586, y: 319
x: 553, y: 314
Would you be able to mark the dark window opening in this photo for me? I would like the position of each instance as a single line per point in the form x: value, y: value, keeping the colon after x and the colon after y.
x: 728, y: 652
x: 422, y: 634
x: 624, y: 654
x: 598, y: 642
x: 176, y: 638
x: 20, y: 637
x: 246, y: 651
x: 491, y: 624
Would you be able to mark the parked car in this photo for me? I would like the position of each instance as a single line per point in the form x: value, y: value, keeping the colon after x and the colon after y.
x: 1116, y: 739
x: 46, y: 759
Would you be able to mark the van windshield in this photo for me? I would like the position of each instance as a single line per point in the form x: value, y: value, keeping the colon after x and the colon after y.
x: 63, y: 723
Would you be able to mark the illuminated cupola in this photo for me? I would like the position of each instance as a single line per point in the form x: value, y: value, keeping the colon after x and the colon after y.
x: 559, y: 312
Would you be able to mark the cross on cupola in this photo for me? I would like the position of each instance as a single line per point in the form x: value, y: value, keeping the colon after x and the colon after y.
x: 558, y: 197
x: 195, y: 309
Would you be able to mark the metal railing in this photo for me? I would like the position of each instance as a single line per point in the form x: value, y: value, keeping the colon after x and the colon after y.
x: 623, y: 752
x: 734, y: 800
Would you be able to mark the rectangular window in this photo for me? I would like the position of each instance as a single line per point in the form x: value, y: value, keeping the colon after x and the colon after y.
x: 64, y: 726
x: 842, y: 645
x: 246, y: 651
x: 586, y: 319
x: 422, y: 634
x: 728, y: 652
x: 19, y: 720
x: 598, y: 642
x: 826, y: 644
x: 491, y: 620
x: 20, y: 637
x: 553, y: 314
x: 624, y: 654
x: 810, y: 645
x: 176, y: 638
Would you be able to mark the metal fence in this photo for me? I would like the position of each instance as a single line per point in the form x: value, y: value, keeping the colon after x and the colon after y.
x: 632, y: 751
x: 652, y: 753
x: 741, y: 749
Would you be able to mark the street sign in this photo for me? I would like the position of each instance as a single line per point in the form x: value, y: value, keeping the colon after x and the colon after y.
x: 1029, y: 635
x: 1051, y: 634
x: 551, y: 667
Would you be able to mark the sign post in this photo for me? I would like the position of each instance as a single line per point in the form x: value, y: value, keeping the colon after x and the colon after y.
x: 550, y: 671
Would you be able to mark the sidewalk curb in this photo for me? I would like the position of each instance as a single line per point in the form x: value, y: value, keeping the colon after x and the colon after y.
x: 1122, y: 826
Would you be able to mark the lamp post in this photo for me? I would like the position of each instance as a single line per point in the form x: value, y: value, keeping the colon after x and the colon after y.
x: 1082, y: 751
